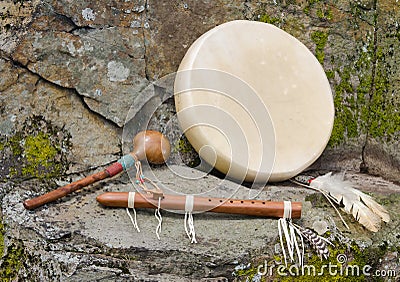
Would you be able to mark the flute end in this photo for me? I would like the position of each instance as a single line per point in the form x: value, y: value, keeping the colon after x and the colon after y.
x: 113, y: 199
x: 26, y: 205
x: 31, y: 204
x: 102, y: 198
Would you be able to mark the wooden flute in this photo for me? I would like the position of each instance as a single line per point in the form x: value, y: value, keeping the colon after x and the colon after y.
x: 202, y: 204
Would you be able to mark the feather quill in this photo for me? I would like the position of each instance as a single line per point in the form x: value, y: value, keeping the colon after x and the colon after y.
x: 363, y: 208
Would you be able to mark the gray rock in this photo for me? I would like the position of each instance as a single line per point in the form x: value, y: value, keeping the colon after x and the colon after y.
x: 80, y: 228
x: 101, y: 14
x: 14, y: 20
x: 94, y: 140
x: 108, y: 75
x: 168, y: 38
x: 88, y: 67
x: 82, y: 240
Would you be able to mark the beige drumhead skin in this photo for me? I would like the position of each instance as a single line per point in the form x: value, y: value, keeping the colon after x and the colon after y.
x: 285, y: 78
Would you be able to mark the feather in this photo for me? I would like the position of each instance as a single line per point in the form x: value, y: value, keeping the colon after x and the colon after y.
x: 363, y: 208
x: 374, y: 206
x: 316, y: 241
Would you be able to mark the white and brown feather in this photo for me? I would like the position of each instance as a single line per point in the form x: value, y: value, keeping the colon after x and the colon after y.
x: 363, y: 208
x: 316, y: 241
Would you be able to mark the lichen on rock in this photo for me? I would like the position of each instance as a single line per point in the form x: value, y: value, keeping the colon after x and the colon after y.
x: 39, y: 150
x: 116, y: 71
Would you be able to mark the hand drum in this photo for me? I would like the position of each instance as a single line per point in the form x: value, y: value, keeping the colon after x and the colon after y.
x: 254, y: 101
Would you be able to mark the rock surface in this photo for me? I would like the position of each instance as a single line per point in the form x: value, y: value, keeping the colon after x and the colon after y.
x: 77, y: 239
x: 73, y: 71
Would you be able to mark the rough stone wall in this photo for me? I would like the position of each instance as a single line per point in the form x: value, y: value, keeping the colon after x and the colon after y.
x: 71, y: 70
x: 105, y: 53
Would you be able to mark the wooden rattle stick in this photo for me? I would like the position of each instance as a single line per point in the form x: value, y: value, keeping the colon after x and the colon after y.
x: 176, y: 202
x: 149, y: 144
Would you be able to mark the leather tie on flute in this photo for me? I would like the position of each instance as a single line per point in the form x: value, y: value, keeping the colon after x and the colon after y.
x: 150, y: 145
x: 176, y: 202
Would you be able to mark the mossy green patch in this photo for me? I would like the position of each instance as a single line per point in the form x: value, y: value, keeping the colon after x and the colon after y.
x: 382, y: 111
x: 345, y: 263
x: 309, y: 5
x: 183, y: 146
x: 320, y: 39
x: 38, y: 150
x: 317, y: 200
x: 391, y: 200
x: 367, y: 108
x: 187, y: 153
x: 367, y: 13
x: 289, y: 23
x: 39, y: 155
x: 11, y: 262
x: 330, y: 74
x: 346, y: 123
x: 248, y: 272
x: 269, y: 19
x: 366, y: 104
x: 14, y: 143
x: 324, y: 14
x: 351, y: 101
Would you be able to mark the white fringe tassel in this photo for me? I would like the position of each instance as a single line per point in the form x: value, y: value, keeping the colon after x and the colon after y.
x: 157, y: 214
x: 131, y: 205
x: 288, y: 230
x: 188, y: 222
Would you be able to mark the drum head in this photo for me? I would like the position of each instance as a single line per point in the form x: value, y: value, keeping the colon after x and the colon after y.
x: 254, y: 101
